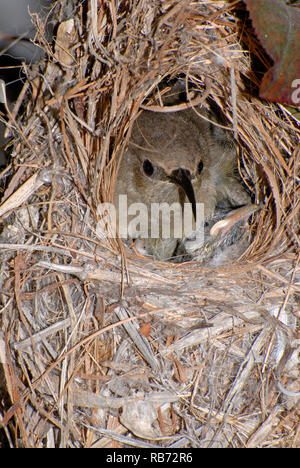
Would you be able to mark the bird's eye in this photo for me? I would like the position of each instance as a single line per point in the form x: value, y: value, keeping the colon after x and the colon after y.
x: 200, y: 167
x: 148, y: 167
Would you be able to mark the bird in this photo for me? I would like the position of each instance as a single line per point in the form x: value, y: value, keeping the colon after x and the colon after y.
x: 181, y: 158
x: 225, y: 237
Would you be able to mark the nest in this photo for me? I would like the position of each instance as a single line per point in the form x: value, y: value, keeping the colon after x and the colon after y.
x: 101, y: 346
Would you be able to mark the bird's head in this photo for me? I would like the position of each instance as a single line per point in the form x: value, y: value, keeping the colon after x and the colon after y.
x: 168, y: 148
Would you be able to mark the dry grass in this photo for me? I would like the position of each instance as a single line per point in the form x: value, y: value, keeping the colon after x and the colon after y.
x: 89, y: 356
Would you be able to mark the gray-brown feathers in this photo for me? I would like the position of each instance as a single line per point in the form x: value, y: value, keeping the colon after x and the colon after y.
x: 163, y: 143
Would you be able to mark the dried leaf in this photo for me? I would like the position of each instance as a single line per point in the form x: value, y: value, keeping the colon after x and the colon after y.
x: 182, y: 373
x: 278, y: 28
x: 145, y: 329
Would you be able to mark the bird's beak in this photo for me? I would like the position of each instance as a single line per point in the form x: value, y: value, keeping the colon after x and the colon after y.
x: 182, y: 178
x: 221, y: 228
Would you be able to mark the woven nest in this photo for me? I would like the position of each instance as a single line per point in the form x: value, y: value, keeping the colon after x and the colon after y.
x: 101, y: 346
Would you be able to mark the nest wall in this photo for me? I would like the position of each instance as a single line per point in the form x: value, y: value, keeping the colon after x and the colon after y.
x: 66, y: 290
